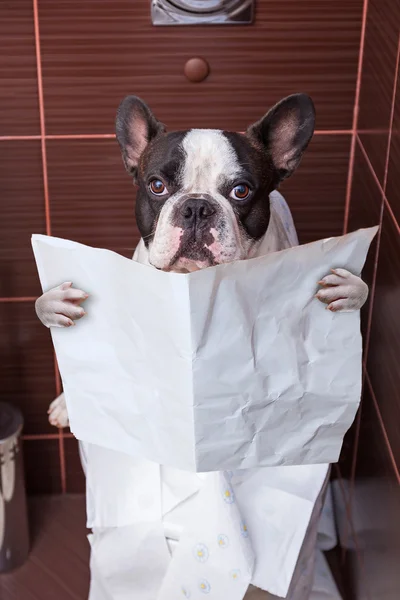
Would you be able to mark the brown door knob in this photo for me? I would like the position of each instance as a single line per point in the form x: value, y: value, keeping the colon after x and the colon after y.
x: 196, y: 69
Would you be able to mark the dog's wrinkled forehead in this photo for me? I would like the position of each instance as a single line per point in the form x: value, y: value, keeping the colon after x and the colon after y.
x: 196, y: 161
x: 210, y: 159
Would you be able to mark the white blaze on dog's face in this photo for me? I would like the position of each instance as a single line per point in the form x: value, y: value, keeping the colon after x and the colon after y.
x: 197, y: 225
x: 203, y: 195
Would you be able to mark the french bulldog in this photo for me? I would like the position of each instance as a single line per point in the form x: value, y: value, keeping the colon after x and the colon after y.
x: 206, y: 197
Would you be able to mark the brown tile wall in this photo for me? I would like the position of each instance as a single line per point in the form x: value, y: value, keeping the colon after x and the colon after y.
x: 64, y: 67
x: 370, y: 465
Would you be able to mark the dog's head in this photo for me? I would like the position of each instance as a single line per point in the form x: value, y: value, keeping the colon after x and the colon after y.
x: 202, y: 194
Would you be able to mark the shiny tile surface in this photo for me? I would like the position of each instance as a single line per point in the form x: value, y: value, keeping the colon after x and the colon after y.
x: 316, y: 192
x: 75, y: 478
x: 26, y: 365
x: 377, y: 81
x: 94, y: 53
x: 42, y: 467
x: 365, y: 211
x: 22, y: 213
x: 370, y: 534
x: 19, y: 108
x: 375, y: 509
x: 393, y: 181
x: 347, y: 457
x: 384, y: 352
x: 91, y: 195
x: 58, y: 567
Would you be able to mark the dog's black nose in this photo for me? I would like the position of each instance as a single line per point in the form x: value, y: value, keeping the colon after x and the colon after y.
x: 195, y: 210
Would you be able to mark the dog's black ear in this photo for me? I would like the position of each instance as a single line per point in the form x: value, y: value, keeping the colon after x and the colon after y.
x: 135, y: 127
x: 285, y: 132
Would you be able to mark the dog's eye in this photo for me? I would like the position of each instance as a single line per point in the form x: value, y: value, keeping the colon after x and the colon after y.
x: 158, y: 188
x: 240, y: 192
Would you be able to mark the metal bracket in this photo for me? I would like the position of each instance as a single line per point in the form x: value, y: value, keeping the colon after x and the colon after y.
x: 202, y: 12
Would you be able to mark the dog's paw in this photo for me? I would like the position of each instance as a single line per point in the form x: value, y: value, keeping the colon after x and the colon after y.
x: 60, y: 306
x: 342, y: 291
x: 58, y: 414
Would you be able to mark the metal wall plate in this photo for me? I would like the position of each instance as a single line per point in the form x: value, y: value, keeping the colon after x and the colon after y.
x: 202, y: 12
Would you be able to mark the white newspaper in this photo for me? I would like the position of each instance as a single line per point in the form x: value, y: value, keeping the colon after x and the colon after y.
x: 231, y: 367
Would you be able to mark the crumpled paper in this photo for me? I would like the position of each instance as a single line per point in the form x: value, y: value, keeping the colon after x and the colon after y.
x: 232, y: 367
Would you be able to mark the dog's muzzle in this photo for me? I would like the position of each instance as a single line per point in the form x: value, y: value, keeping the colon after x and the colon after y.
x: 196, y: 216
x: 196, y: 211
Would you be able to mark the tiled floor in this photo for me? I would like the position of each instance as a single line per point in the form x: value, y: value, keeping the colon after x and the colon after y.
x: 57, y: 568
x: 58, y: 565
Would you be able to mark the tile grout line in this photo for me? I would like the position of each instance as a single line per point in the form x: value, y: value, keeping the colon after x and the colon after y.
x: 356, y: 445
x: 99, y: 136
x: 37, y: 437
x: 383, y: 195
x: 333, y: 132
x: 46, y: 200
x: 385, y: 200
x: 394, y: 94
x: 19, y: 138
x: 41, y: 115
x: 18, y: 299
x: 355, y: 117
x: 81, y: 136
x: 383, y: 428
x: 350, y: 174
x: 364, y: 363
x: 373, y: 286
x: 382, y: 190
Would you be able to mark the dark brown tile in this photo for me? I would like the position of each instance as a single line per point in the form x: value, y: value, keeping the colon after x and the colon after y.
x: 316, y: 192
x: 58, y: 566
x: 349, y: 447
x: 334, y: 561
x: 347, y: 577
x: 75, y: 477
x: 22, y: 213
x: 94, y: 53
x: 377, y: 82
x: 393, y: 180
x: 19, y: 108
x: 374, y: 464
x: 341, y: 500
x: 384, y: 351
x: 61, y: 550
x: 354, y: 573
x: 342, y: 488
x: 127, y: 252
x: 375, y: 509
x: 365, y: 211
x: 26, y: 366
x: 92, y: 196
x: 42, y: 466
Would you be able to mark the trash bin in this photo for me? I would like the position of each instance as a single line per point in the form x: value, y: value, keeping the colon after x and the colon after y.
x: 14, y: 532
